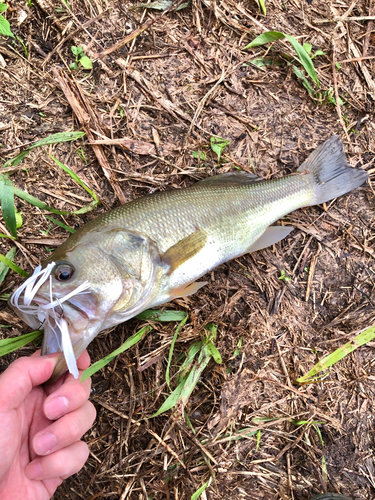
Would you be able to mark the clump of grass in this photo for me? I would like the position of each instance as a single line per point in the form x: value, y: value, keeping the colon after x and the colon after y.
x: 303, y: 57
x: 8, y: 191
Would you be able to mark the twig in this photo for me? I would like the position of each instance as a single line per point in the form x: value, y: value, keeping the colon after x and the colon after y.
x: 89, y: 121
x: 168, y: 448
x: 335, y: 86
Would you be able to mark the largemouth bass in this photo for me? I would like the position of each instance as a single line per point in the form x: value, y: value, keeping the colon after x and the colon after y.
x: 152, y: 250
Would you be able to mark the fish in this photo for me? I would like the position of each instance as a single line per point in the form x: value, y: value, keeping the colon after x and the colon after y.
x: 154, y: 249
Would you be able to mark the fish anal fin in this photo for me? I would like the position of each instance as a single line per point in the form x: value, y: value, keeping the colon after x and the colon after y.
x: 186, y: 290
x: 184, y: 250
x: 271, y: 235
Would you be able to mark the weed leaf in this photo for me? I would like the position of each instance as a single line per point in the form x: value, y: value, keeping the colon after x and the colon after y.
x: 10, y: 345
x: 5, y: 27
x: 3, y: 267
x: 125, y: 346
x: 7, y: 204
x: 51, y: 139
x: 75, y: 177
x: 218, y: 144
x: 13, y: 266
x: 267, y: 37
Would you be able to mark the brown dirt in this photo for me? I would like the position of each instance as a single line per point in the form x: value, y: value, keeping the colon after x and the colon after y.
x: 189, y: 61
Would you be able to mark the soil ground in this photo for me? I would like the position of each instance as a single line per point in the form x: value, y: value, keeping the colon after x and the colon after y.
x: 165, y: 93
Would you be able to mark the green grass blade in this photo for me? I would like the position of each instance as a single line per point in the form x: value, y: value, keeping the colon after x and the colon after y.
x: 51, y: 139
x: 340, y: 353
x: 304, y: 58
x: 13, y: 266
x: 125, y: 346
x: 167, y: 378
x: 262, y: 4
x: 75, y: 177
x: 267, y: 37
x: 7, y: 204
x: 7, y: 236
x: 171, y: 400
x: 10, y: 345
x: 199, y: 492
x: 61, y: 224
x: 37, y: 203
x: 3, y: 267
x: 299, y: 74
x: 162, y: 315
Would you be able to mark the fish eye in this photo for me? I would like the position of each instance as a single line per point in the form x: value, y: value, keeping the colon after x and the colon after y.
x: 64, y: 272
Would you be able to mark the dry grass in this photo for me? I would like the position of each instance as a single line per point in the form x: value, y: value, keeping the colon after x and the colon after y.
x: 146, y: 106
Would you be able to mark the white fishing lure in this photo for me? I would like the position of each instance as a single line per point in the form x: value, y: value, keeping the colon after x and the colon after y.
x: 22, y: 299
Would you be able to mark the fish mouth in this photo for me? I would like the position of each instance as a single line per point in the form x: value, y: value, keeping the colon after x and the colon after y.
x: 66, y: 320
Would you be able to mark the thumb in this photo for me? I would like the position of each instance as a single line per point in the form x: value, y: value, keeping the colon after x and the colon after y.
x: 17, y: 381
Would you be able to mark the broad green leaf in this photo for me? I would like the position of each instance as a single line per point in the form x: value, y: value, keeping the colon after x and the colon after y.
x: 75, y: 177
x: 218, y: 144
x: 162, y: 315
x: 51, y: 139
x: 125, y: 346
x: 5, y: 27
x: 267, y: 37
x: 3, y: 267
x: 7, y: 205
x: 196, y: 155
x: 318, y: 53
x: 340, y: 353
x: 10, y: 345
x: 86, y: 62
x: 3, y: 7
x: 19, y: 220
x: 307, y: 47
x: 215, y: 353
x: 13, y: 266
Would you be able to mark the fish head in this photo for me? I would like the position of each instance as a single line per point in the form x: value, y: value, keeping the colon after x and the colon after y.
x: 87, y: 285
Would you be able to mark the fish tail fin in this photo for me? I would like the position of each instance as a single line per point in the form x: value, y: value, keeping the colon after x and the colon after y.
x: 329, y: 172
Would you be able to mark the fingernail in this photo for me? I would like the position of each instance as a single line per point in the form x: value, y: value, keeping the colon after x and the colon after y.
x: 56, y: 407
x: 44, y: 443
x: 34, y: 470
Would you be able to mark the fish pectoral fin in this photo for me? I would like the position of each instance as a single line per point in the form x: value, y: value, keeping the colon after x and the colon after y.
x: 271, y: 235
x: 184, y: 250
x: 186, y: 290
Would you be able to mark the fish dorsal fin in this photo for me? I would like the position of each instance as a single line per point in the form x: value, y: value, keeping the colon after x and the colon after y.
x: 184, y: 250
x: 271, y: 235
x: 232, y: 178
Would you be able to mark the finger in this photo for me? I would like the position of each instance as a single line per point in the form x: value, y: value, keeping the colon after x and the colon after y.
x: 21, y: 376
x: 65, y: 431
x: 66, y: 398
x: 61, y: 464
x: 83, y: 361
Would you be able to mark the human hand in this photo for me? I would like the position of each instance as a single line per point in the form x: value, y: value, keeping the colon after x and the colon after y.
x: 41, y: 427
